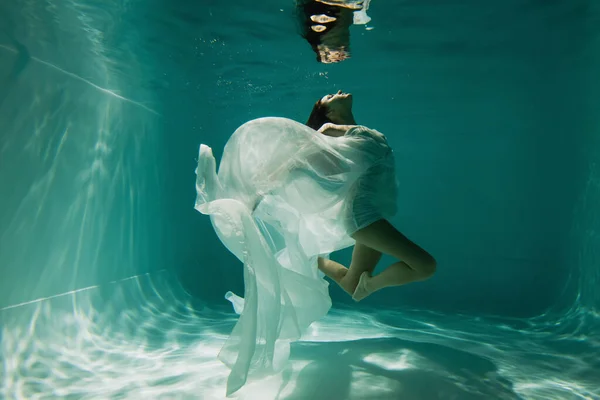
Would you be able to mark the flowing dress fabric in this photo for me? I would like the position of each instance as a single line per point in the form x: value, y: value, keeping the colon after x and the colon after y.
x: 284, y: 195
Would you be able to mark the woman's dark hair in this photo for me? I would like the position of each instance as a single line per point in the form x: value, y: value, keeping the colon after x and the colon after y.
x: 318, y: 116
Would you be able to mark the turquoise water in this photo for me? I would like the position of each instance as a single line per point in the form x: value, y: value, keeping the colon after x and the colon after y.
x: 112, y: 285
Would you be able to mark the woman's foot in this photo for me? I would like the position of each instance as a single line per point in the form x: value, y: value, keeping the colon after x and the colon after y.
x: 362, y: 289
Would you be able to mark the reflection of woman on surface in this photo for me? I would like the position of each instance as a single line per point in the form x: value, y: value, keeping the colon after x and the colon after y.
x: 332, y: 116
x: 326, y: 27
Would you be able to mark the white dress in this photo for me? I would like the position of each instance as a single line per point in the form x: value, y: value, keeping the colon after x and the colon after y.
x: 283, y: 196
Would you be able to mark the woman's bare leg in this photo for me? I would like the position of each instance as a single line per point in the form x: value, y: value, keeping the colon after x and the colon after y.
x: 364, y: 259
x: 415, y: 265
x: 332, y: 269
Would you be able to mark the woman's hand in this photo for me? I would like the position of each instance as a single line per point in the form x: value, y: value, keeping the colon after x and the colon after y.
x: 331, y: 129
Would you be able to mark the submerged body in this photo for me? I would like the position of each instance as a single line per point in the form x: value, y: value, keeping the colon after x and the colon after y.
x: 284, y: 197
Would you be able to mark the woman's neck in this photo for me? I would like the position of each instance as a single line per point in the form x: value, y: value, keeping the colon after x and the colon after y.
x: 343, y: 119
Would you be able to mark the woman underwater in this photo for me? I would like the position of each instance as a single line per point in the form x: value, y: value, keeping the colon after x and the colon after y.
x: 286, y: 196
x: 332, y: 116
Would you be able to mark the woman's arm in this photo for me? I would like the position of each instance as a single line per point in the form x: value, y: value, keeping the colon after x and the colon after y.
x: 326, y: 162
x: 334, y: 130
x: 322, y: 162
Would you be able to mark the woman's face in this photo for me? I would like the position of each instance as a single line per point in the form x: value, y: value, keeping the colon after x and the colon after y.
x: 339, y: 103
